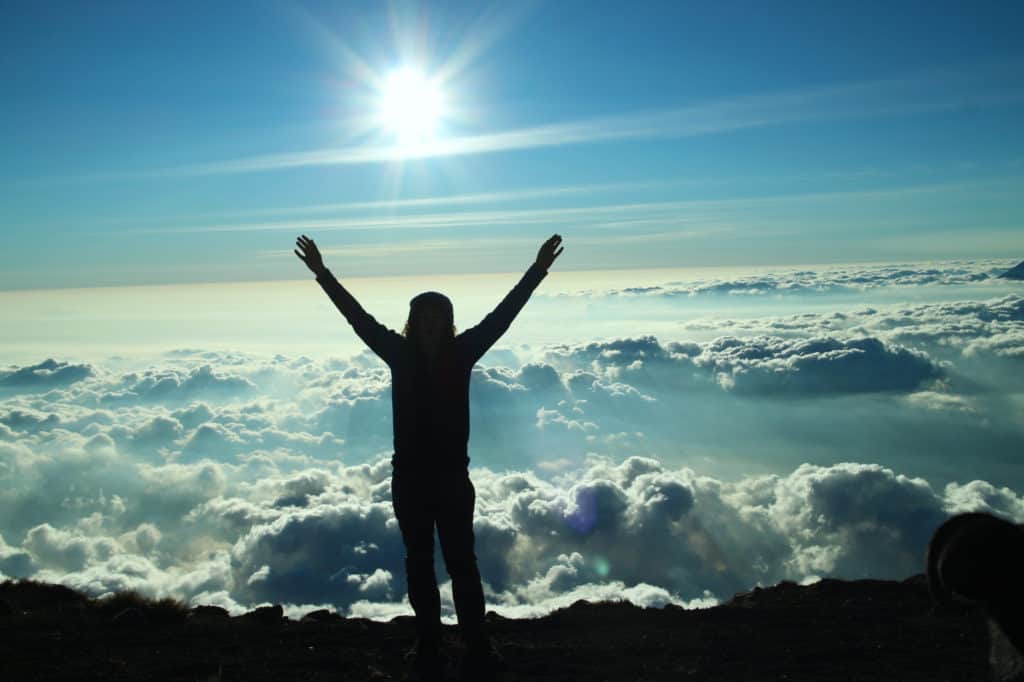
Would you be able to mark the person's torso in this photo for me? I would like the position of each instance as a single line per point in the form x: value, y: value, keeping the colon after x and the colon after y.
x: 430, y: 408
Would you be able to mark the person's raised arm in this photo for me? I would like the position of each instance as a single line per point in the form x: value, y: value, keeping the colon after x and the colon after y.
x: 481, y: 337
x: 381, y: 340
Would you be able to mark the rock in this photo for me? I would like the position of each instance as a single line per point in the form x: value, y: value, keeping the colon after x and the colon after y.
x: 1006, y: 660
x: 208, y: 613
x: 129, y: 616
x: 976, y: 558
x: 979, y: 559
x: 29, y: 595
x: 320, y: 616
x: 495, y: 617
x: 266, y: 614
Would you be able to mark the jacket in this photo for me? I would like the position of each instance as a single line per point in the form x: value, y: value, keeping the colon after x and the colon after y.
x: 430, y: 409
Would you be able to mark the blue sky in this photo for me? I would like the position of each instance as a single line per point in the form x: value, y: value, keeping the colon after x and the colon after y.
x: 148, y: 143
x: 777, y: 345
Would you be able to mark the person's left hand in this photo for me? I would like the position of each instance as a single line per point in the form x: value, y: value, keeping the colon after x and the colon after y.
x: 548, y: 253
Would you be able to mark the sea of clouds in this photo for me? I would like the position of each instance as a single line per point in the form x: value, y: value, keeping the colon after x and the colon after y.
x: 659, y: 470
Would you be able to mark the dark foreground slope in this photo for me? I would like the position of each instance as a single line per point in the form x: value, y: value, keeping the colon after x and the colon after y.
x: 833, y: 630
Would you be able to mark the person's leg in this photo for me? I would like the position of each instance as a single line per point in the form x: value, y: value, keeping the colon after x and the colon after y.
x: 416, y: 513
x: 455, y: 530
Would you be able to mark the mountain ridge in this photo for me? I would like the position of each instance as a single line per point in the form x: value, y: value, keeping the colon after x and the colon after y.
x: 829, y: 630
x: 1016, y: 272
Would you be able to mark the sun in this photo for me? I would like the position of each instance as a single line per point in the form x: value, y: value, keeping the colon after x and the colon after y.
x: 410, y: 106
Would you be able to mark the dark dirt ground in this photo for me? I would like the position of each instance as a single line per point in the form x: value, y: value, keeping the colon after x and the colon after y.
x: 833, y: 630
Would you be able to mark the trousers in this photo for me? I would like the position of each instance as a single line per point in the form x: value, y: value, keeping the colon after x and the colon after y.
x: 445, y: 500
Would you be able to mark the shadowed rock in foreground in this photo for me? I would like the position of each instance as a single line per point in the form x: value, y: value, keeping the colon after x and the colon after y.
x: 832, y: 630
x: 978, y: 559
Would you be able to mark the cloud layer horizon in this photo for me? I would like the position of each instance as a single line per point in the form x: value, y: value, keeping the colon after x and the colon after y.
x: 794, y: 447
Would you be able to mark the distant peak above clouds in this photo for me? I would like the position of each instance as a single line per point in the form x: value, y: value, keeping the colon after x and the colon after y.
x: 1016, y: 272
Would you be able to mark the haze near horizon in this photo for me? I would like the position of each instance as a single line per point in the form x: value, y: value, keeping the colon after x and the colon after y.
x: 776, y: 346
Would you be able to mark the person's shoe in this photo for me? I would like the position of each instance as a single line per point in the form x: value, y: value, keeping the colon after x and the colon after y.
x: 481, y: 662
x: 426, y: 660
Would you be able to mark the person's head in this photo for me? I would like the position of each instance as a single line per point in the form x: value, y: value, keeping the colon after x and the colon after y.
x: 431, y: 321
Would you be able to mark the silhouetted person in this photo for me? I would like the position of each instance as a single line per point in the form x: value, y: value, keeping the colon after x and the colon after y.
x: 979, y: 559
x: 430, y: 372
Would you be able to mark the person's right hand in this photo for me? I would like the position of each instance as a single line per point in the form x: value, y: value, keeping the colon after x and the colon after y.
x: 311, y: 255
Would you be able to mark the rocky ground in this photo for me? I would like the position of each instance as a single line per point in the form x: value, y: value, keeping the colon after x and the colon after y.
x: 833, y: 630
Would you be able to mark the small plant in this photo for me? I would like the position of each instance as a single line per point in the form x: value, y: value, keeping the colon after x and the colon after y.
x: 166, y: 610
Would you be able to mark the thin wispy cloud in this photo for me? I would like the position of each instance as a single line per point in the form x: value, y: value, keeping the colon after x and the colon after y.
x: 475, y: 245
x: 923, y: 92
x: 606, y: 215
x: 451, y: 200
x: 167, y: 224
